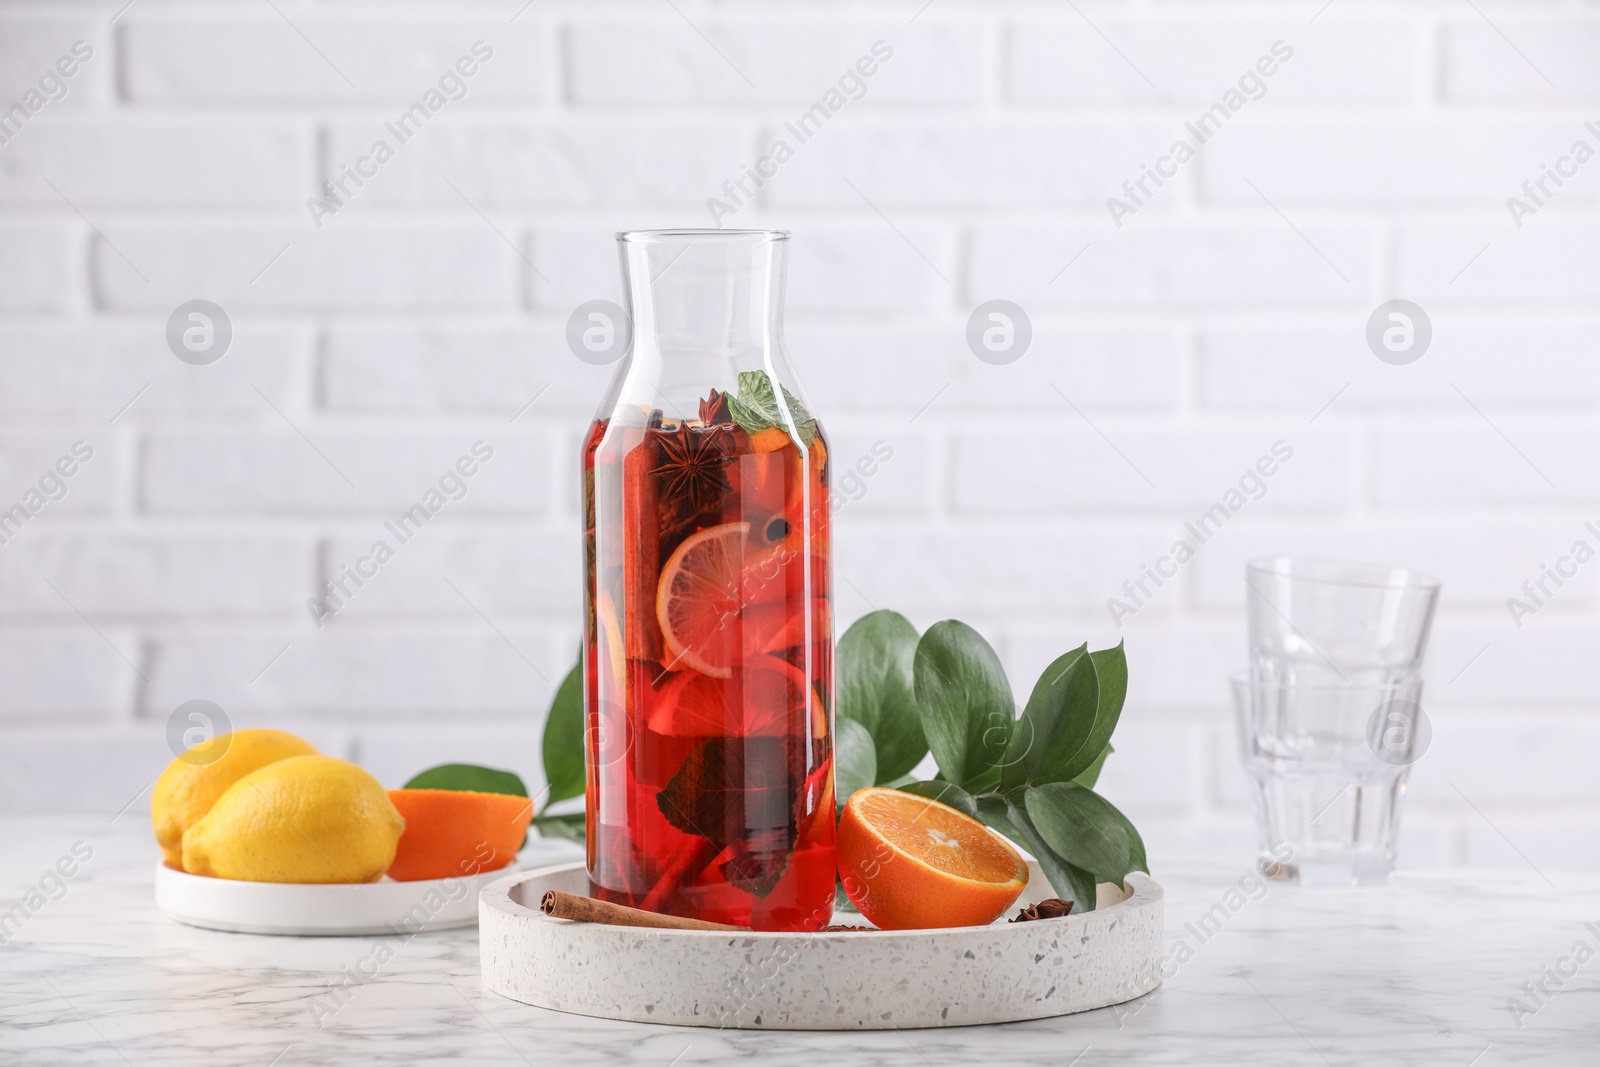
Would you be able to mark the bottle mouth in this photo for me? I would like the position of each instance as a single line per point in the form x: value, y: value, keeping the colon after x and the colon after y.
x: 702, y: 236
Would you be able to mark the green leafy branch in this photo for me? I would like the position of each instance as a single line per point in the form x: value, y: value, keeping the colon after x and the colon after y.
x: 901, y: 695
x: 1031, y: 777
x: 564, y: 759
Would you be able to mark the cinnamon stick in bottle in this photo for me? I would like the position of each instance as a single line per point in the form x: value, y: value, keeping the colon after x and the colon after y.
x: 641, y: 553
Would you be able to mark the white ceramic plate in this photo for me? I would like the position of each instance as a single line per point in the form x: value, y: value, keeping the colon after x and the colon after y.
x: 276, y: 908
x: 839, y: 981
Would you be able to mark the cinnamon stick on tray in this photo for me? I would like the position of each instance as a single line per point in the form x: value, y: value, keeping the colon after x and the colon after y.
x: 588, y: 910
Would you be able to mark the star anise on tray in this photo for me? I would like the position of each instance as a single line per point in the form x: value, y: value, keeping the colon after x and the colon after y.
x: 694, y: 465
x: 1049, y: 908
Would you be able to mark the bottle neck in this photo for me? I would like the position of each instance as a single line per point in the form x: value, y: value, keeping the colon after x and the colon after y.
x: 705, y: 298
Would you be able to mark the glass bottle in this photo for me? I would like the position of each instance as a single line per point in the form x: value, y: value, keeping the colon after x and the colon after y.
x: 708, y: 653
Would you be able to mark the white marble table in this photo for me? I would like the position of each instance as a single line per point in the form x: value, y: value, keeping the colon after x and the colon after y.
x: 1420, y: 973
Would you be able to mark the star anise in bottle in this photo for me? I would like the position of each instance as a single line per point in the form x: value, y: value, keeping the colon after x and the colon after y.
x: 714, y: 409
x: 694, y: 465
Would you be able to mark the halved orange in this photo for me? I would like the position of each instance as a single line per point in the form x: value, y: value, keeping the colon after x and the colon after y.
x: 763, y: 698
x: 453, y: 833
x: 910, y: 863
x: 705, y: 587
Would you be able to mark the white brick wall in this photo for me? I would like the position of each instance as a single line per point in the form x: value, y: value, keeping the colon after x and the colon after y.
x: 1224, y: 315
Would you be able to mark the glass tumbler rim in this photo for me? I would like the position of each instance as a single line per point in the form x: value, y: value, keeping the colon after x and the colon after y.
x: 701, y: 235
x: 1326, y: 570
x: 1241, y: 679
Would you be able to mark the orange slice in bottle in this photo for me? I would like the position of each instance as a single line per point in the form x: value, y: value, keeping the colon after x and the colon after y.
x: 769, y: 440
x: 703, y: 591
x: 612, y: 650
x: 910, y: 863
x: 761, y: 699
x: 772, y: 628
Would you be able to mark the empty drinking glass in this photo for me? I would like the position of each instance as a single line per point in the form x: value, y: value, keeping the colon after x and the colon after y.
x: 1329, y: 764
x: 1329, y: 714
x: 1331, y: 621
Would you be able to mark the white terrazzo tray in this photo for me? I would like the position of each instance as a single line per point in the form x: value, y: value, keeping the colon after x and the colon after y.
x: 867, y: 980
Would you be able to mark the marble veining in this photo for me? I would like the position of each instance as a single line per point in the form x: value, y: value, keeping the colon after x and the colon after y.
x: 1419, y: 973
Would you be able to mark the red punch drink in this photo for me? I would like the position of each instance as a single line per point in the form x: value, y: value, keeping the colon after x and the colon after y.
x: 708, y: 658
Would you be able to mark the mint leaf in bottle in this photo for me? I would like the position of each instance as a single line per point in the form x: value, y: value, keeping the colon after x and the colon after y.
x: 756, y: 406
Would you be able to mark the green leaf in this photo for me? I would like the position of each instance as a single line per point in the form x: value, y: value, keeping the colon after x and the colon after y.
x: 804, y: 424
x: 563, y: 739
x: 755, y: 407
x: 992, y: 813
x: 466, y: 777
x: 988, y: 779
x: 753, y: 419
x: 944, y: 793
x: 1069, y: 881
x: 1089, y: 777
x: 1086, y: 830
x: 569, y: 827
x: 855, y: 759
x: 752, y: 405
x: 874, y: 687
x: 1059, y: 716
x: 965, y: 703
x: 1069, y: 720
x: 729, y: 788
x: 1111, y: 670
x: 738, y: 793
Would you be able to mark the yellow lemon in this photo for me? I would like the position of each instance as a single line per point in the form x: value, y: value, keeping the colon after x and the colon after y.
x: 302, y: 819
x: 193, y: 782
